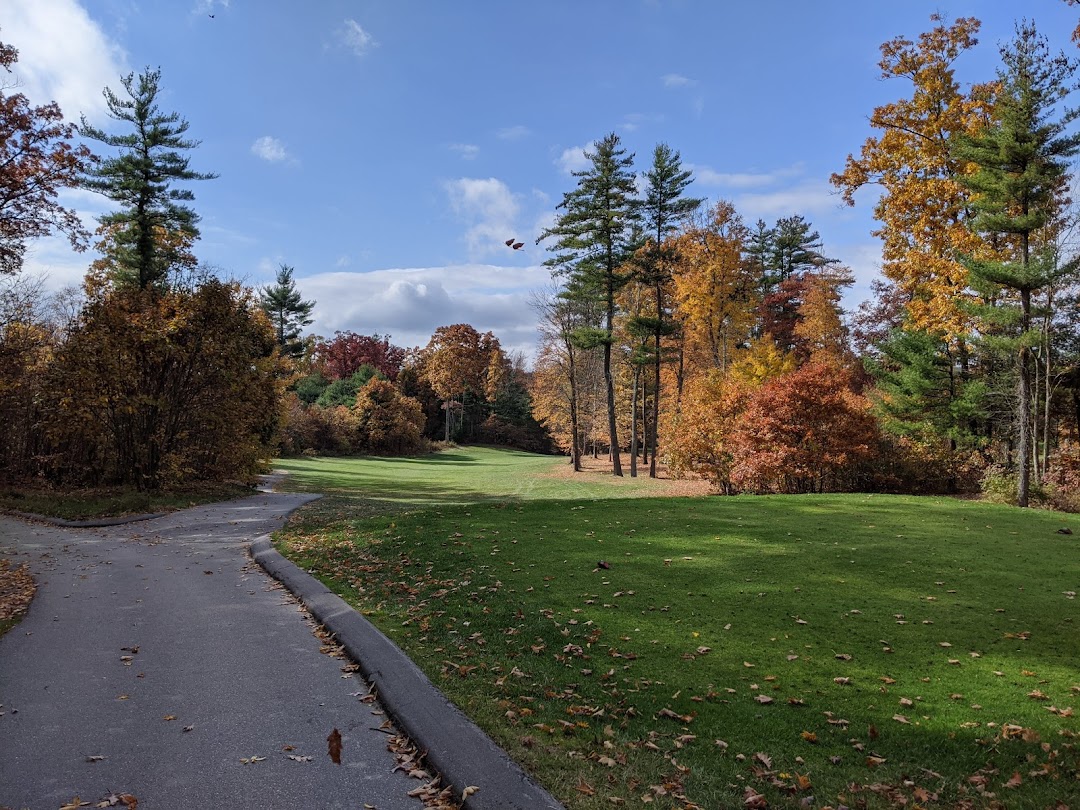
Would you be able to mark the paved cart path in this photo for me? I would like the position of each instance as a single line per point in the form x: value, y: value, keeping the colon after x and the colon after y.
x: 222, y: 649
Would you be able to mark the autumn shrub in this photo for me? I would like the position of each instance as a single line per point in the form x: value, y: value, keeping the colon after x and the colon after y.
x: 26, y: 348
x: 1061, y: 482
x: 158, y: 388
x: 386, y: 421
x: 803, y: 432
x: 698, y: 440
x: 919, y: 465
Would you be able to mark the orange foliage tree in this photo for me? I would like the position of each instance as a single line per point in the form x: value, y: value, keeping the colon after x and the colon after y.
x: 802, y: 432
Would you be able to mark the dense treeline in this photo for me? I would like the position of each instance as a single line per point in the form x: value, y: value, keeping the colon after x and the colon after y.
x: 966, y: 371
x: 362, y: 394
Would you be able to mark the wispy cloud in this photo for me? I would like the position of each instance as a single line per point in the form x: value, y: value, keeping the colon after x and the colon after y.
x: 514, y: 133
x: 809, y: 198
x: 468, y: 151
x: 208, y: 6
x: 740, y: 180
x: 355, y: 38
x: 488, y: 208
x: 573, y: 159
x: 676, y: 80
x: 269, y: 149
x: 64, y: 56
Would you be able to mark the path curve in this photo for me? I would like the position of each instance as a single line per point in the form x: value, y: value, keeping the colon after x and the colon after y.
x: 170, y: 618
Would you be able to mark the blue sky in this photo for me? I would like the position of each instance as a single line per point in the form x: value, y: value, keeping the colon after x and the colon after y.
x: 386, y: 150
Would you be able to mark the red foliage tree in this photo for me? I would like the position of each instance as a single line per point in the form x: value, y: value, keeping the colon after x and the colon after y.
x: 803, y: 432
x: 342, y: 357
x: 36, y: 161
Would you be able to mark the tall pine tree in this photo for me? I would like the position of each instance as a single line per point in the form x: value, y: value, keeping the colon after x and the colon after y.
x: 594, y: 238
x: 1020, y: 183
x: 153, y: 227
x: 287, y: 311
x: 664, y: 210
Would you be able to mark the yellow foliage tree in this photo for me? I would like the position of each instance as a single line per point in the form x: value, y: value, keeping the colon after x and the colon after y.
x: 923, y: 210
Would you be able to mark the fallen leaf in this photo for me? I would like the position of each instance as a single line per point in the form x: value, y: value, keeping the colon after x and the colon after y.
x: 298, y: 758
x: 469, y: 791
x: 842, y: 681
x: 764, y: 700
x: 1015, y: 781
x: 334, y: 746
x: 95, y: 758
x: 899, y: 718
x: 809, y: 736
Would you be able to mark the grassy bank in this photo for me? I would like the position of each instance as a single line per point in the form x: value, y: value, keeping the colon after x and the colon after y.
x: 111, y: 502
x: 857, y: 649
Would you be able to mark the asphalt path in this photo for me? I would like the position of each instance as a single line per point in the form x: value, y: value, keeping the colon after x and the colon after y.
x: 157, y: 660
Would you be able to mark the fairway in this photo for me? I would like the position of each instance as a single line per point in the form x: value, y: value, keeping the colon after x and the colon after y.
x: 858, y: 649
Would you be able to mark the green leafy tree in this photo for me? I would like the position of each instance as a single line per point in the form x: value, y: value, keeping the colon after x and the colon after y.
x: 287, y: 311
x: 343, y: 392
x: 151, y: 231
x: 594, y: 238
x: 1020, y: 185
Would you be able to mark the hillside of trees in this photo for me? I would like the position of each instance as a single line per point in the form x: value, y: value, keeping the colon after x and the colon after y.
x: 675, y: 335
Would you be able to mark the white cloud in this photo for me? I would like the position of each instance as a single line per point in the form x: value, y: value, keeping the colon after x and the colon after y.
x: 468, y: 151
x: 410, y: 303
x: 356, y: 38
x: 513, y: 133
x: 208, y: 6
x: 64, y: 56
x: 808, y: 198
x: 710, y: 177
x: 573, y: 159
x: 675, y: 80
x: 269, y: 149
x: 489, y: 209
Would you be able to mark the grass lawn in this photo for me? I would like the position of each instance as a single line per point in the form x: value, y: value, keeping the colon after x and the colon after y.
x: 861, y: 650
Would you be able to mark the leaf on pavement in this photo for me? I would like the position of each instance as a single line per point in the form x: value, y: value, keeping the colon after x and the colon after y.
x: 334, y: 746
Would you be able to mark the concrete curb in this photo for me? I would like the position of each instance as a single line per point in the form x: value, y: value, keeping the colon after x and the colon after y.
x: 95, y: 523
x: 456, y: 748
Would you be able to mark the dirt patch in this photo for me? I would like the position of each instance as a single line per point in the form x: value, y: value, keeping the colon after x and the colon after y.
x: 663, y: 485
x: 16, y: 590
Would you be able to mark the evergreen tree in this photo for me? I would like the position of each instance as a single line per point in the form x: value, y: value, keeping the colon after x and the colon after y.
x: 287, y: 311
x: 664, y: 210
x: 150, y: 232
x: 595, y: 236
x: 1020, y: 185
x: 793, y: 248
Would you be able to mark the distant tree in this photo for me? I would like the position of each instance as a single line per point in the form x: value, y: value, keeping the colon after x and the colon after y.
x: 153, y: 224
x: 287, y: 311
x: 343, y: 392
x: 388, y: 422
x: 454, y: 364
x: 594, y: 238
x: 1020, y: 187
x: 343, y: 355
x: 36, y: 162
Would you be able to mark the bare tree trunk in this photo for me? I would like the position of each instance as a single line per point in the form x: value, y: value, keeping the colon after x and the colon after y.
x: 634, y: 425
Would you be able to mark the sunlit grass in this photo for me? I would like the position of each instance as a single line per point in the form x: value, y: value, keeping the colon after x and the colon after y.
x: 951, y: 620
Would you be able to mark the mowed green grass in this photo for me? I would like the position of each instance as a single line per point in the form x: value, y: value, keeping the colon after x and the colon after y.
x: 702, y: 667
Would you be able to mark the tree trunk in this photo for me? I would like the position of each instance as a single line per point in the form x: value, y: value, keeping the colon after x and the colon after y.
x: 634, y: 425
x: 1023, y: 395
